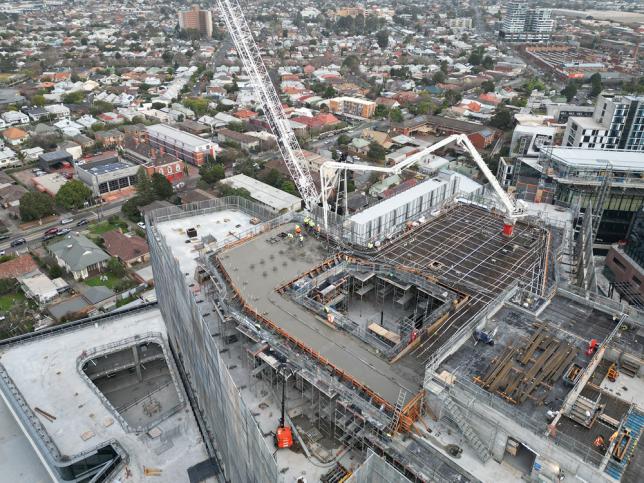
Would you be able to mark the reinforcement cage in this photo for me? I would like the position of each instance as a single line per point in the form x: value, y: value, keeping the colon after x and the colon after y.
x: 229, y: 424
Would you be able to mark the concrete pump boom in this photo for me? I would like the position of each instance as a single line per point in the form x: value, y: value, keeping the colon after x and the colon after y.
x: 254, y: 66
x: 330, y: 170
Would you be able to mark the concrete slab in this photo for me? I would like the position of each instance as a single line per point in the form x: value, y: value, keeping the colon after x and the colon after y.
x: 224, y: 226
x: 258, y: 267
x: 44, y: 370
x: 629, y: 389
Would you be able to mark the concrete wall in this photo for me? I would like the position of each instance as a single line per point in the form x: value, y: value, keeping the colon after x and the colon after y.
x: 495, y: 428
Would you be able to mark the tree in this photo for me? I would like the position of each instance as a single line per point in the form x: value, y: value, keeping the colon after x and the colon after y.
x: 487, y: 86
x: 352, y: 64
x: 100, y: 107
x: 38, y: 100
x: 115, y: 266
x: 34, y: 206
x: 75, y: 97
x: 144, y: 189
x: 130, y: 209
x: 502, y: 119
x: 382, y: 38
x: 73, y: 194
x: 211, y: 173
x: 343, y: 140
x: 376, y: 152
x: 570, y: 91
x: 487, y: 62
x: 452, y: 97
x: 395, y: 115
x: 439, y: 77
x: 288, y: 186
x: 273, y: 177
x: 381, y: 111
x: 161, y: 186
x: 596, y: 86
x: 198, y: 104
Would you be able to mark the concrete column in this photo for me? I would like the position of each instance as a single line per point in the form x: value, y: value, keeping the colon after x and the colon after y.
x: 137, y: 364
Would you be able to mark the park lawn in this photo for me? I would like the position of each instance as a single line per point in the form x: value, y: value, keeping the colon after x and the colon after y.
x: 105, y: 226
x: 111, y: 282
x: 9, y: 300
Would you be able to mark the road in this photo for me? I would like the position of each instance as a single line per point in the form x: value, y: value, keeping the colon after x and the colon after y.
x: 34, y: 235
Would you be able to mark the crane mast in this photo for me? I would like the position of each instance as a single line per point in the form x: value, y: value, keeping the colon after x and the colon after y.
x: 254, y: 66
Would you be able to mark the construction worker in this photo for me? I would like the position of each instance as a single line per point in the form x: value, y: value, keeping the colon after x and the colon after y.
x: 318, y: 230
x: 301, y: 240
x: 298, y: 230
x: 370, y: 246
x: 290, y: 237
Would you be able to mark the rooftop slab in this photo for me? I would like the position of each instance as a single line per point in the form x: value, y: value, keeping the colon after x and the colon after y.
x: 44, y: 370
x: 224, y: 226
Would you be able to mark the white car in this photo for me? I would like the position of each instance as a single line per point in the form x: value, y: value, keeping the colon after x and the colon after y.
x: 66, y: 221
x: 141, y: 225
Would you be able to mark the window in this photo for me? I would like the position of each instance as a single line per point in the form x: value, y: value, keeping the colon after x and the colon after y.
x: 637, y: 281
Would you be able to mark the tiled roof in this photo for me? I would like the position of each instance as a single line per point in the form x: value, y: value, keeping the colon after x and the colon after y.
x: 18, y: 266
x: 125, y: 247
x: 14, y: 133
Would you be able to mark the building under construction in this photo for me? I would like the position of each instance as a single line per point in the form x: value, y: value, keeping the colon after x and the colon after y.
x: 452, y: 351
x: 447, y: 351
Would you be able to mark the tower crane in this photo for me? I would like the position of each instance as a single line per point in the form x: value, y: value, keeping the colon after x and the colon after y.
x: 256, y: 70
x: 290, y: 147
x: 330, y: 170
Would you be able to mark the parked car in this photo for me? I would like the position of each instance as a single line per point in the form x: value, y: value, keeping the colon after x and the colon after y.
x: 63, y: 231
x: 18, y: 241
x: 52, y: 231
x: 66, y: 221
x: 5, y: 236
x: 82, y: 222
x: 141, y: 225
x: 49, y: 236
x: 3, y: 253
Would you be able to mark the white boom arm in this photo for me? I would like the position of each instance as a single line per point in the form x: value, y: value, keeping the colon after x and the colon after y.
x: 254, y: 66
x: 330, y: 170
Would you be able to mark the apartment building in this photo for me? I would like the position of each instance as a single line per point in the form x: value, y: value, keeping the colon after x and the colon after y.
x: 196, y: 19
x: 617, y: 123
x: 523, y: 24
x: 187, y: 147
x: 352, y: 107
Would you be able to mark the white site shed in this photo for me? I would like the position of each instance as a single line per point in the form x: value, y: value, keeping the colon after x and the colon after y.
x: 390, y: 216
x: 273, y: 198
